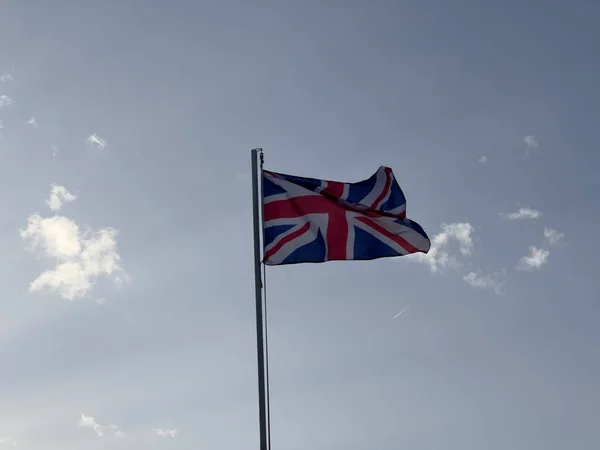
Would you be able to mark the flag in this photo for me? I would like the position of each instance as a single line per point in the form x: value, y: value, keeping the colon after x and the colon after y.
x: 310, y: 220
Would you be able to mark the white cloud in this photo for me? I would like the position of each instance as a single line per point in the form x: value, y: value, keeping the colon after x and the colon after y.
x: 59, y: 195
x: 536, y: 259
x: 482, y: 159
x: 439, y: 256
x: 55, y: 150
x: 95, y: 141
x: 6, y: 78
x: 5, y: 101
x: 477, y: 280
x: 58, y: 236
x: 163, y: 432
x: 553, y: 235
x: 81, y: 258
x: 32, y: 122
x: 1, y: 125
x: 8, y: 441
x: 90, y: 422
x: 523, y: 212
x: 531, y: 142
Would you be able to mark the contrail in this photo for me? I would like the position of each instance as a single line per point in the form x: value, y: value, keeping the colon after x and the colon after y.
x: 401, y: 312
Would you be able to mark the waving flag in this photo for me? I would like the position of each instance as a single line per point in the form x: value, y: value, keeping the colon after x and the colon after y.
x: 310, y: 220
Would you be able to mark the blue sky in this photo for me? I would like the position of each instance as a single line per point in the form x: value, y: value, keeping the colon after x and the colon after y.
x: 130, y: 301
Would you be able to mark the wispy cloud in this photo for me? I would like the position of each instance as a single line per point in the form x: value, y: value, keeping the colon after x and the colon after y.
x: 32, y: 122
x: 164, y: 432
x: 536, y: 259
x: 479, y: 281
x: 482, y: 159
x: 439, y: 255
x: 522, y: 213
x: 59, y: 195
x: 81, y: 258
x: 553, y: 235
x: 95, y: 141
x: 55, y: 150
x: 90, y: 422
x: 5, y: 101
x: 6, y: 78
x: 531, y: 142
x: 8, y: 441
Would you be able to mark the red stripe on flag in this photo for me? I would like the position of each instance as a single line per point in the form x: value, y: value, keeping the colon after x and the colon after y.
x: 297, y: 207
x: 394, y: 237
x: 303, y: 229
x: 335, y: 189
x: 313, y: 204
x: 388, y: 181
x: 337, y: 237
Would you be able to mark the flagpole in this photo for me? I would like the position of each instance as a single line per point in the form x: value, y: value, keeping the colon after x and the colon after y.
x: 260, y: 342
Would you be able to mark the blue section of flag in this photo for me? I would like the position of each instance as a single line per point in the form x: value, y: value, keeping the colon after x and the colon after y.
x: 270, y: 188
x: 271, y: 233
x: 367, y: 246
x: 311, y: 252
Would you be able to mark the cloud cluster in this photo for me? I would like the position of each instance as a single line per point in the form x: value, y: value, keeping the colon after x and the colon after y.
x: 163, y: 432
x: 90, y: 422
x: 95, y: 141
x: 439, y: 255
x: 5, y: 101
x: 59, y: 195
x: 81, y: 257
x: 522, y: 213
x: 491, y: 281
x: 552, y: 235
x: 537, y: 258
x: 531, y: 141
x: 101, y: 430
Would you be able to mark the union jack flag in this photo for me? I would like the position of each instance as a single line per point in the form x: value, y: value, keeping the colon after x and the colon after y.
x: 310, y: 220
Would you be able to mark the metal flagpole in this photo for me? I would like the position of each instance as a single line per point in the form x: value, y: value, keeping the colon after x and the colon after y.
x: 260, y: 342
